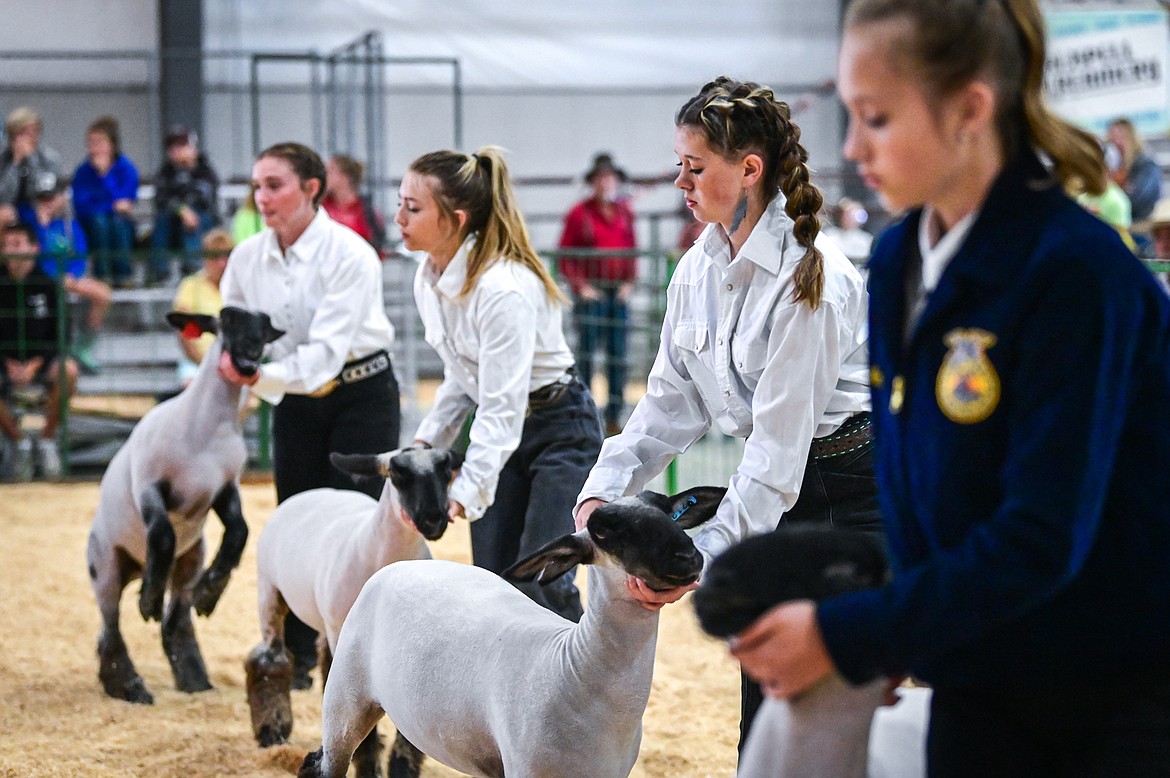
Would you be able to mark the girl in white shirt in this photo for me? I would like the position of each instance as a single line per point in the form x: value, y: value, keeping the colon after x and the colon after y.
x: 764, y: 337
x: 493, y: 313
x: 329, y: 376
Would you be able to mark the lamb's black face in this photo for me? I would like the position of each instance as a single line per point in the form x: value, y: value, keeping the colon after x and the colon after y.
x: 244, y: 335
x: 646, y: 543
x: 792, y: 563
x: 422, y: 476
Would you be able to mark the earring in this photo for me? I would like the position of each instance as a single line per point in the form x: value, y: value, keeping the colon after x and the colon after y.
x: 740, y: 213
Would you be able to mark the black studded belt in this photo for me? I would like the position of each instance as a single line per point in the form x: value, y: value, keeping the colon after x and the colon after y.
x: 357, y: 370
x: 854, y: 434
x: 551, y: 394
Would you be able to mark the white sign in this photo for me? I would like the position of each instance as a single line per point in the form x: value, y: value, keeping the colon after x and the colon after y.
x: 1103, y: 65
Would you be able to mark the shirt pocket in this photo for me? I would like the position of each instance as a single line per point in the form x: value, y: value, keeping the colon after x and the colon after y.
x: 749, y: 357
x: 697, y: 361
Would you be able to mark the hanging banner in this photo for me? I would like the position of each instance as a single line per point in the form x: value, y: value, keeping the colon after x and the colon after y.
x: 1108, y: 64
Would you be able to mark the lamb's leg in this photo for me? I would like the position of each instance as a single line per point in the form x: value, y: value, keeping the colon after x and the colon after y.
x: 368, y: 756
x: 178, y: 631
x: 268, y: 673
x: 405, y: 760
x: 348, y: 714
x: 324, y: 658
x: 235, y: 534
x: 110, y: 569
x: 160, y: 550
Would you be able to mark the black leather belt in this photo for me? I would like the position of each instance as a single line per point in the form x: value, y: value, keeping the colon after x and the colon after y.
x: 551, y: 394
x: 357, y: 370
x: 855, y: 433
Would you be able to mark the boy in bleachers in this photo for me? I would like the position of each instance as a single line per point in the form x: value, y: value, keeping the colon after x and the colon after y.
x: 29, y: 352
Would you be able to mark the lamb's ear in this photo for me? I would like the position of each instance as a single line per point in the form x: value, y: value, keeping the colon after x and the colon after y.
x: 270, y: 333
x: 694, y: 506
x: 192, y: 325
x: 554, y: 560
x: 363, y: 464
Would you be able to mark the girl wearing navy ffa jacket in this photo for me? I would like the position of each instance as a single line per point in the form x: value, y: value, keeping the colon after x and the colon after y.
x: 1021, y: 393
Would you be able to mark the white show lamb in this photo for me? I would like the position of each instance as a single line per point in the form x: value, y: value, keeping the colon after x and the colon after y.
x: 835, y: 729
x: 318, y: 549
x: 476, y: 675
x: 182, y: 459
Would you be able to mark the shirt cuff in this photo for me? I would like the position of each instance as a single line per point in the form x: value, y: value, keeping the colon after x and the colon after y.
x: 603, y: 483
x: 272, y: 383
x: 467, y: 494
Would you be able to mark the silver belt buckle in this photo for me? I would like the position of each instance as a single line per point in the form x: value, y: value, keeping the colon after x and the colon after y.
x: 365, y: 370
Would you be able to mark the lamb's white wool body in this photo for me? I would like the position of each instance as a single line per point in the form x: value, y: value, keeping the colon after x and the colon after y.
x: 511, y: 689
x: 317, y: 551
x: 181, y: 460
x: 320, y: 547
x: 836, y: 730
x: 475, y: 674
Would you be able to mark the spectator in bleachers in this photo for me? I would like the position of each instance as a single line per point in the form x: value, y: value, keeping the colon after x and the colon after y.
x: 345, y: 202
x: 105, y: 189
x: 844, y: 227
x: 247, y: 221
x: 63, y: 252
x: 22, y: 161
x: 602, y: 286
x: 1138, y: 174
x: 29, y: 350
x: 185, y: 204
x: 199, y: 293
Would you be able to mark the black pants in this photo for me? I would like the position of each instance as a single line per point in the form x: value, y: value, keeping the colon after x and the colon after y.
x: 838, y: 490
x: 360, y: 418
x: 537, y: 490
x: 1081, y: 728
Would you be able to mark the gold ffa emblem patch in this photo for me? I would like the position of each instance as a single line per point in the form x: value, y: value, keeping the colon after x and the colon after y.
x: 967, y: 387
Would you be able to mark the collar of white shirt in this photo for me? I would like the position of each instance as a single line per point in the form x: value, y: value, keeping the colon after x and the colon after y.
x: 450, y: 282
x: 938, y: 252
x: 765, y: 244
x: 307, y: 244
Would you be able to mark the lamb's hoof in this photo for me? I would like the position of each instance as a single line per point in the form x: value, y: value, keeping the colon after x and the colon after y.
x: 193, y: 684
x: 150, y: 603
x: 133, y: 691
x: 301, y: 679
x: 207, y: 592
x: 271, y: 735
x: 311, y: 767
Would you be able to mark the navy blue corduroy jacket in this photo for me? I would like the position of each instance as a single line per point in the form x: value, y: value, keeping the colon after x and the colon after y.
x: 1023, y: 455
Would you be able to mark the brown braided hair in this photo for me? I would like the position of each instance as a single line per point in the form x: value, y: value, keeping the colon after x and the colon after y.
x: 950, y: 43
x: 742, y: 117
x: 479, y: 184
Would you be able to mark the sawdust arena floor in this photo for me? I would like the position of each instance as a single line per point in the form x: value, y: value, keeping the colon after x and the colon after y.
x: 55, y: 721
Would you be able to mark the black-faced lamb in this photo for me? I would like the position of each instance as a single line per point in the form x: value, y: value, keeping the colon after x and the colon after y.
x: 181, y: 460
x: 834, y: 729
x: 487, y: 682
x: 317, y: 550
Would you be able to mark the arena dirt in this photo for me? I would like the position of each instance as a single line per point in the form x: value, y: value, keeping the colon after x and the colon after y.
x: 56, y: 722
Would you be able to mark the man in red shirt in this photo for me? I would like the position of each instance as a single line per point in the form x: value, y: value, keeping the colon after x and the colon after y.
x: 601, y: 285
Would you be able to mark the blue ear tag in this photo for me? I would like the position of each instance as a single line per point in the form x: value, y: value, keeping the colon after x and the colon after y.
x: 689, y: 504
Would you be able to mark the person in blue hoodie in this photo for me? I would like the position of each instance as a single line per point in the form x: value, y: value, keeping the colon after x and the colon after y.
x: 105, y: 189
x: 1020, y: 375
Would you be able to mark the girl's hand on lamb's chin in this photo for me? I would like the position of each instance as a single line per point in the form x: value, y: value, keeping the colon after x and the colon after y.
x: 654, y: 600
x: 228, y: 372
x: 455, y: 511
x: 783, y: 650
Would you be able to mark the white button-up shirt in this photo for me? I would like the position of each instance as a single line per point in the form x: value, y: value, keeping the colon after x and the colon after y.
x: 739, y: 353
x: 498, y: 344
x: 324, y: 291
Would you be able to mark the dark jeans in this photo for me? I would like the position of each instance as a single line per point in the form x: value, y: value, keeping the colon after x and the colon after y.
x: 838, y: 490
x: 111, y: 238
x: 361, y: 418
x: 603, y: 323
x: 171, y: 235
x: 537, y: 491
x: 1082, y: 728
